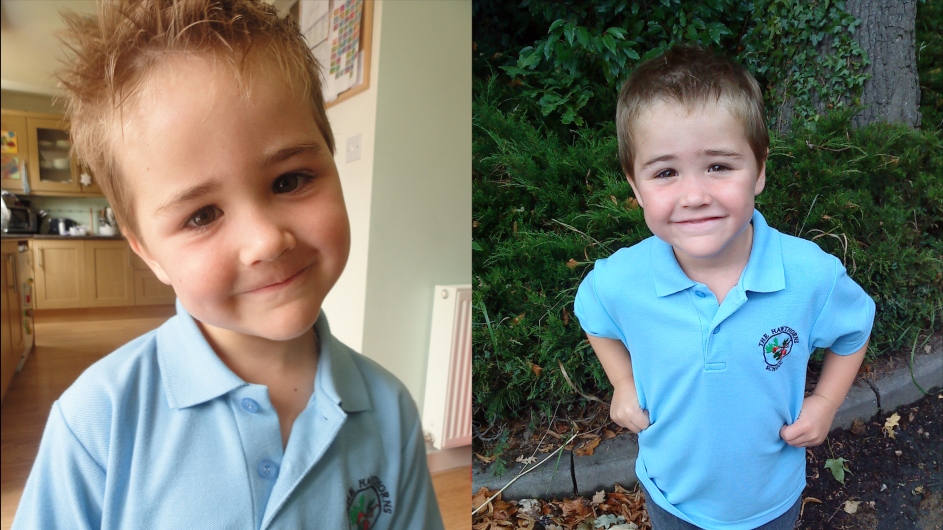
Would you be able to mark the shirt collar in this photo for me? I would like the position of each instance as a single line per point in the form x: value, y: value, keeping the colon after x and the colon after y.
x: 193, y: 373
x: 764, y: 271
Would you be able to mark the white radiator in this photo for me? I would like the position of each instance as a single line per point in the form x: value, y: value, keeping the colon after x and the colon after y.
x: 446, y: 411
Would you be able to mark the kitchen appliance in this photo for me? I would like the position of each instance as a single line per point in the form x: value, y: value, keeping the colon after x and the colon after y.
x: 23, y: 220
x: 61, y: 225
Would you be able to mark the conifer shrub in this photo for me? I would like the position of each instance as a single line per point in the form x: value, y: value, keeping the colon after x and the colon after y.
x: 546, y: 209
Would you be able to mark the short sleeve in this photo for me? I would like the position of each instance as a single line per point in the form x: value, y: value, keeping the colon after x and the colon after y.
x: 845, y: 322
x: 590, y: 310
x: 66, y: 485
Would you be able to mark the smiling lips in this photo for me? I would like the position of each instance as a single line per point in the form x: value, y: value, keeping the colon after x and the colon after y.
x: 698, y: 222
x: 278, y: 284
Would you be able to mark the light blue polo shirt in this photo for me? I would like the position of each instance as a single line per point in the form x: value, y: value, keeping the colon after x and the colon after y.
x: 161, y: 434
x: 720, y: 382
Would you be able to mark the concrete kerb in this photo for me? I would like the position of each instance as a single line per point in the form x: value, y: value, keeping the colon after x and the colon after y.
x: 613, y: 461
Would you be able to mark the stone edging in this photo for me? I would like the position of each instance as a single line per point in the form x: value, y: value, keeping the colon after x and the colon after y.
x: 613, y: 461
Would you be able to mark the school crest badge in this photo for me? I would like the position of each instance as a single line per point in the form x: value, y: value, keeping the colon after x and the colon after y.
x: 367, y: 503
x: 776, y: 345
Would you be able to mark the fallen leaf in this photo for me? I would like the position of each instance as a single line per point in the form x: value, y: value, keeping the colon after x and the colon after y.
x: 486, y: 459
x: 918, y: 490
x: 599, y: 497
x: 479, y: 498
x: 858, y: 428
x: 566, y: 317
x: 631, y: 203
x: 838, y: 467
x: 576, y: 507
x: 607, y: 434
x: 851, y: 506
x: 572, y: 264
x: 805, y: 501
x: 536, y: 369
x: 892, y: 421
x: 526, y: 461
x: 587, y: 448
x: 606, y: 521
x: 530, y: 508
x: 926, y: 348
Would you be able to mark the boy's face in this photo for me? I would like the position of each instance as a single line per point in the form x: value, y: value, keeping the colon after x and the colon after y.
x: 696, y: 178
x: 237, y: 199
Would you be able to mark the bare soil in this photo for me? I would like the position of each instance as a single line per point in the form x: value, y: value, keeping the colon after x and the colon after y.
x: 897, y: 481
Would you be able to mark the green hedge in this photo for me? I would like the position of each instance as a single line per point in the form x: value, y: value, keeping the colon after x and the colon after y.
x: 545, y: 210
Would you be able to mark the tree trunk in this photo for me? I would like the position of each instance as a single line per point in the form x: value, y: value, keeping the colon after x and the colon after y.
x: 886, y: 34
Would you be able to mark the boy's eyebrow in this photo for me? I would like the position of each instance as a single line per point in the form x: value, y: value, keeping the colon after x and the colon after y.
x: 186, y: 195
x: 284, y: 154
x: 708, y: 152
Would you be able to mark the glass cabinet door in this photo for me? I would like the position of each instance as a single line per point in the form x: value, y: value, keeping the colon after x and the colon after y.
x: 51, y: 168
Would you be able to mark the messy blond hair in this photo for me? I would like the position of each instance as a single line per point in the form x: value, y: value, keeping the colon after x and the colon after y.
x: 116, y: 48
x: 690, y: 76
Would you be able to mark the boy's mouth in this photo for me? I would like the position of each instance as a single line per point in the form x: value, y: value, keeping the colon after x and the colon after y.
x: 279, y: 282
x: 698, y: 222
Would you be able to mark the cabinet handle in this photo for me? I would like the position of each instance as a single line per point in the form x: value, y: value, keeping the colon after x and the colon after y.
x: 42, y: 262
x: 11, y: 273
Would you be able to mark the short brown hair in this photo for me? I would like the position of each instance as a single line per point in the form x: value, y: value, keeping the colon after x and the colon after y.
x: 118, y: 46
x: 692, y: 76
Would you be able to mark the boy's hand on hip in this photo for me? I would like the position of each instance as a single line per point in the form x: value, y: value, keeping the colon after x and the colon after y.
x: 813, y: 424
x: 625, y: 409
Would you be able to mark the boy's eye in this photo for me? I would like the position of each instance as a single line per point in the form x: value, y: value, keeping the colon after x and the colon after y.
x: 203, y: 217
x: 665, y: 174
x: 290, y: 182
x: 718, y: 167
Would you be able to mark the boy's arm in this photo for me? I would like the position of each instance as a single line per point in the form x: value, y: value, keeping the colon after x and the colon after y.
x: 66, y: 486
x: 617, y: 363
x: 818, y: 410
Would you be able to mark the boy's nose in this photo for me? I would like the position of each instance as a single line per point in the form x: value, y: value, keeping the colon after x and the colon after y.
x: 265, y: 238
x: 694, y: 192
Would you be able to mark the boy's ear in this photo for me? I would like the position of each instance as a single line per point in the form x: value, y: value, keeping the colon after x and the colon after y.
x: 638, y: 196
x: 142, y: 252
x: 761, y: 178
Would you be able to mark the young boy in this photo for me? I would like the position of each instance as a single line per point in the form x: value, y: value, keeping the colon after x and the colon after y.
x: 719, y: 311
x: 204, y: 123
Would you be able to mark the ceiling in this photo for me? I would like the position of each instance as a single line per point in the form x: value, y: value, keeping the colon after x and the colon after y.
x: 29, y: 50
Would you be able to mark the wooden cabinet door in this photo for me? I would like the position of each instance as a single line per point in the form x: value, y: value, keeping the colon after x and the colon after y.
x: 148, y: 290
x: 110, y: 277
x: 60, y: 274
x: 7, y: 352
x: 15, y: 133
x: 49, y: 144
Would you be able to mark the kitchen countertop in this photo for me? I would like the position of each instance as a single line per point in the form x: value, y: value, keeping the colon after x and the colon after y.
x: 56, y: 236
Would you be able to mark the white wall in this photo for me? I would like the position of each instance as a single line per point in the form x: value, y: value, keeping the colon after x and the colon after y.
x: 420, y: 217
x: 409, y: 197
x: 344, y: 305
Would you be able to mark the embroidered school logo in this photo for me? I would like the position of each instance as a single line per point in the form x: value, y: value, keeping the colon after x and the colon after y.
x: 367, y: 503
x: 777, y: 344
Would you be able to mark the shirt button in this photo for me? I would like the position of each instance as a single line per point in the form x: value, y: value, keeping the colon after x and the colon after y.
x: 250, y: 405
x: 717, y: 330
x: 268, y: 469
x: 700, y: 294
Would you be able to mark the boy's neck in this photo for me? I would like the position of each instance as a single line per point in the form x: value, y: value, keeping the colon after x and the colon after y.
x: 720, y: 273
x: 258, y: 360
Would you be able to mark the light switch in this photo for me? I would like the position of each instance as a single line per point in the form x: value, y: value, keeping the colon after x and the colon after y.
x: 353, y: 148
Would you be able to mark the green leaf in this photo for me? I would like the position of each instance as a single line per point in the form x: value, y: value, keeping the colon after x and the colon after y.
x: 838, y: 467
x: 618, y: 33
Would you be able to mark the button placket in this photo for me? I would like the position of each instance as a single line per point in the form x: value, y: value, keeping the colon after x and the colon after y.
x: 260, y: 436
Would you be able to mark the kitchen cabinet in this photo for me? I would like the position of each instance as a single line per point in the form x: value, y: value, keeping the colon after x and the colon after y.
x: 12, y: 338
x: 60, y: 274
x: 15, y: 151
x: 109, y: 276
x: 93, y: 273
x: 148, y: 290
x: 44, y: 144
